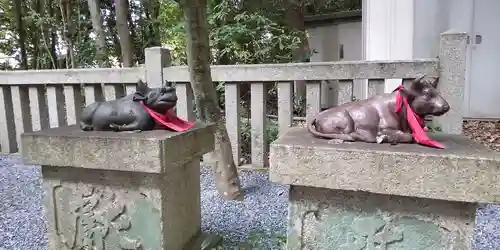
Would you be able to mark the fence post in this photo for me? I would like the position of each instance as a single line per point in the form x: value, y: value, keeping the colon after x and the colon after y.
x: 156, y: 58
x: 452, y: 66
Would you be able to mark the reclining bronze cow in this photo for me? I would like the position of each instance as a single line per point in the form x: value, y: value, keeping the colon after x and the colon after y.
x: 129, y: 113
x: 379, y: 118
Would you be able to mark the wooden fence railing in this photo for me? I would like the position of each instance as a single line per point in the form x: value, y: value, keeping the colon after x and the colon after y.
x: 38, y: 99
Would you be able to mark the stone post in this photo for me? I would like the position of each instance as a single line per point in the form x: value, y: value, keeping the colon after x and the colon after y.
x: 110, y: 190
x: 156, y: 58
x: 452, y: 63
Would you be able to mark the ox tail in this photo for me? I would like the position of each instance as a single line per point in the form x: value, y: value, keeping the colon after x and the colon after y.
x: 311, y: 126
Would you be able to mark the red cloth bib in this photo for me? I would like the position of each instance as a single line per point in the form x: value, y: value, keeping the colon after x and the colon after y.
x: 169, y: 120
x: 415, y: 121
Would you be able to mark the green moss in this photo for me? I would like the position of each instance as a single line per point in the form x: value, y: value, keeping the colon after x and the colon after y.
x: 255, y: 241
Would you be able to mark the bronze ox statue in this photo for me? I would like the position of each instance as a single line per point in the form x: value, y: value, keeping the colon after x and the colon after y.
x: 384, y: 118
x: 143, y: 110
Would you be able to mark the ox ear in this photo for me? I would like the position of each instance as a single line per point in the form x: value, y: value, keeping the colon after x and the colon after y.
x: 141, y: 91
x: 433, y: 81
x: 417, y: 85
x: 408, y: 93
x: 168, y: 84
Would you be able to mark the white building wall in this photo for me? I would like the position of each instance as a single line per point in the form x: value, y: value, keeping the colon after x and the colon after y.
x: 350, y: 36
x: 324, y: 40
x: 388, y: 32
x: 410, y: 29
x: 431, y: 18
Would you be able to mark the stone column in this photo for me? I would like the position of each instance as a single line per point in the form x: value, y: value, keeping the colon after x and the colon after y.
x: 115, y: 190
x: 156, y: 58
x: 452, y: 69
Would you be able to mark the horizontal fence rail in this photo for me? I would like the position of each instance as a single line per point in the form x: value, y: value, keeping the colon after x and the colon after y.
x: 72, y: 76
x: 343, y: 70
x: 235, y: 73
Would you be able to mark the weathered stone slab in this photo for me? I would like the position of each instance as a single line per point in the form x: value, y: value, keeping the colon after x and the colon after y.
x: 464, y: 171
x: 107, y: 190
x: 147, y: 151
x: 326, y: 219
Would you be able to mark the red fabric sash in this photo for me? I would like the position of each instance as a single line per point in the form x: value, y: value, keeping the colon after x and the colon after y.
x: 169, y: 120
x: 415, y: 121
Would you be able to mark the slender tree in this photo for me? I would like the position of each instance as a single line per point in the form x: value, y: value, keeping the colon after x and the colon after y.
x: 100, y: 42
x: 127, y: 48
x: 18, y: 7
x: 198, y: 51
x: 66, y: 7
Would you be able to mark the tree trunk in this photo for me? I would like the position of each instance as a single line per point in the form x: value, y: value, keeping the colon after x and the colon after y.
x: 127, y: 49
x: 111, y: 21
x: 35, y: 60
x: 198, y: 50
x: 22, y: 33
x: 100, y: 43
x: 138, y: 51
x: 69, y: 31
x: 154, y: 12
x: 150, y: 35
x: 53, y: 35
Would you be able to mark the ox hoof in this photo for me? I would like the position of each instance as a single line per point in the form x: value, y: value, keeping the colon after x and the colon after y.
x: 335, y: 141
x: 381, y: 138
x: 131, y: 131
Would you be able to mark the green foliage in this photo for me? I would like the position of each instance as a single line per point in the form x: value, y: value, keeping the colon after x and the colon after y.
x: 238, y: 34
x: 54, y: 37
x: 173, y: 31
x: 299, y: 106
x: 271, y: 134
x: 338, y: 5
x: 253, y: 38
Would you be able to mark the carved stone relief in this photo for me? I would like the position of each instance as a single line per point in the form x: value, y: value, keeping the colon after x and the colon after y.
x: 96, y: 219
x: 371, y: 234
x: 349, y: 230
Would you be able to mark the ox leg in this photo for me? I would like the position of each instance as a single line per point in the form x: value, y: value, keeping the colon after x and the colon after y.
x: 366, y: 135
x: 133, y: 126
x: 394, y: 136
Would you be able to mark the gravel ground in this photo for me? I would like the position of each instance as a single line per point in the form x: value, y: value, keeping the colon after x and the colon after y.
x: 262, y: 214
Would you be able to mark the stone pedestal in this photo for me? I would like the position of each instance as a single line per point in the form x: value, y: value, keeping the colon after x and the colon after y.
x: 378, y: 196
x: 109, y: 190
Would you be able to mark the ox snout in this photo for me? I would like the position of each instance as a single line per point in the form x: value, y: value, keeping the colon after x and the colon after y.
x: 446, y: 107
x: 174, y: 99
x: 442, y: 108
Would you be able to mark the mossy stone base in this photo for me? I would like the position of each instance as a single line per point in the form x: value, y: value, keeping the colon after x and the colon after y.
x: 326, y: 219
